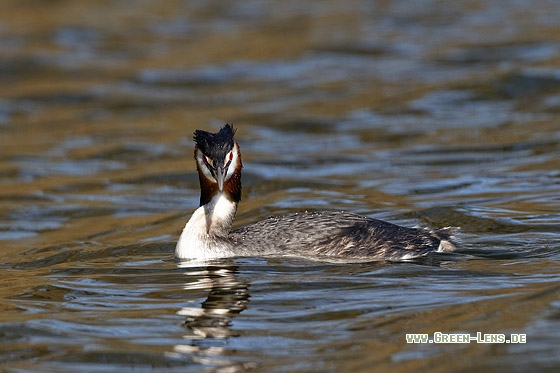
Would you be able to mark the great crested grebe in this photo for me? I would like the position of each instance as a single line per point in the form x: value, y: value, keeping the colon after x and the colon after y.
x: 316, y: 235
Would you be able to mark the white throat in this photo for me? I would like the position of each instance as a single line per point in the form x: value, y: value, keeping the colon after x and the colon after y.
x: 205, y: 235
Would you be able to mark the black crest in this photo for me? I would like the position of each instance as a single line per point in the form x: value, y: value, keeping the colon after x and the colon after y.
x: 215, y: 145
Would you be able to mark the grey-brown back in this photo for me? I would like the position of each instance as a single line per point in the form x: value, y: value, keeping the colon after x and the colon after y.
x: 337, y: 235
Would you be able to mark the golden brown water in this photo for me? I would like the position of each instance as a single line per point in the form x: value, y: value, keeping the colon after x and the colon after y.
x: 430, y: 113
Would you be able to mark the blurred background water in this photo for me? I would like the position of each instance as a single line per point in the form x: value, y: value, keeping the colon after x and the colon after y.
x: 419, y: 112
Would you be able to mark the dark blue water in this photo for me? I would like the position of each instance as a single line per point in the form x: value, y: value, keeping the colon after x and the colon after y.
x: 421, y: 113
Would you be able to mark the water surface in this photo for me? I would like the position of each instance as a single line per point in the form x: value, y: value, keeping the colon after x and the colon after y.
x: 421, y: 113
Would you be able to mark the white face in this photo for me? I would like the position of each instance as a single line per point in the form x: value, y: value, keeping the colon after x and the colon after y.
x: 233, y: 159
x: 208, y: 166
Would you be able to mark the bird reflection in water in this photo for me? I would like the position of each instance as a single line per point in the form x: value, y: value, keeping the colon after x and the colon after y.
x: 209, y: 326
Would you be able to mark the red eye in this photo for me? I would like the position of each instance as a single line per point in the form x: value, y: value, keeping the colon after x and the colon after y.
x: 204, y: 159
x: 230, y: 156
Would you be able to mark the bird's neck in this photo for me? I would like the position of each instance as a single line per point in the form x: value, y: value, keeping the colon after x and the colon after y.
x: 216, y: 217
x: 206, y: 233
